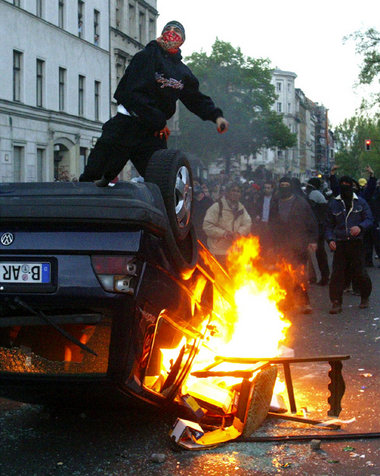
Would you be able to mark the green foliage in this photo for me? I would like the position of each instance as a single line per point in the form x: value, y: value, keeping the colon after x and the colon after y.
x: 241, y: 87
x: 368, y: 47
x: 350, y: 138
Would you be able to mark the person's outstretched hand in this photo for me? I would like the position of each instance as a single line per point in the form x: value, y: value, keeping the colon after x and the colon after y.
x: 222, y: 125
x: 163, y: 133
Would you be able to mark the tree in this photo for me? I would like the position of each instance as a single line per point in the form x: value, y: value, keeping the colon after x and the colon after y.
x: 368, y: 46
x: 242, y: 88
x: 350, y: 137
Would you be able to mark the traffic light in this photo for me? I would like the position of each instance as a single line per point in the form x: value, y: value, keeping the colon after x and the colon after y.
x: 368, y: 144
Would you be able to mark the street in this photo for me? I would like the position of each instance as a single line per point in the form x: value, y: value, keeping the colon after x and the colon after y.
x: 37, y: 442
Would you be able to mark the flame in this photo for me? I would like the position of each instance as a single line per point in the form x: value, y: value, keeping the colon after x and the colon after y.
x: 249, y: 323
x: 259, y: 327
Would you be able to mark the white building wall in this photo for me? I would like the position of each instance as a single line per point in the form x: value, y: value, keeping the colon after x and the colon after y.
x: 26, y: 125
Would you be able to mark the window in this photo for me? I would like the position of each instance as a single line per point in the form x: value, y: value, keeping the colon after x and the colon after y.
x: 39, y: 82
x: 96, y: 27
x: 132, y: 21
x: 82, y: 158
x: 80, y: 18
x: 81, y: 80
x: 152, y: 29
x: 279, y: 107
x: 289, y: 108
x: 97, y: 99
x: 40, y: 164
x: 61, y: 13
x: 18, y: 159
x: 17, y: 65
x: 61, y: 88
x: 39, y: 8
x: 289, y: 87
x: 142, y: 28
x: 121, y: 62
x: 119, y: 13
x: 278, y: 86
x: 16, y: 3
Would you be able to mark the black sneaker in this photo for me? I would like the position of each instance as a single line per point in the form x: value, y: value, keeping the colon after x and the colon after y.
x: 363, y: 304
x: 103, y: 182
x: 336, y: 308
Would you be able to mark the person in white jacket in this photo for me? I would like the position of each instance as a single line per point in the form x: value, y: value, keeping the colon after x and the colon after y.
x: 225, y: 221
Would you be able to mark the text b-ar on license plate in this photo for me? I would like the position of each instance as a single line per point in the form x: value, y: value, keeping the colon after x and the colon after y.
x: 25, y: 273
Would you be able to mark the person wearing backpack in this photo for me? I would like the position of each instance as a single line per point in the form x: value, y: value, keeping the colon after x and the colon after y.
x: 225, y: 221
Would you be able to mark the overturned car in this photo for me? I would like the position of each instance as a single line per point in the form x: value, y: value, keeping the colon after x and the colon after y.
x: 94, y: 282
x: 106, y: 296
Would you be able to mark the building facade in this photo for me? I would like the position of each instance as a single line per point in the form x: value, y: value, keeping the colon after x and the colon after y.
x: 132, y: 26
x: 314, y: 150
x: 306, y: 135
x: 54, y: 87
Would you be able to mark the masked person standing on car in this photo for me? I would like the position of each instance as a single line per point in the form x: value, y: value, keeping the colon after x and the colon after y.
x: 146, y: 96
x: 348, y: 217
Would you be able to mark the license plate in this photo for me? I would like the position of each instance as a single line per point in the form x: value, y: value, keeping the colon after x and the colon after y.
x: 25, y: 273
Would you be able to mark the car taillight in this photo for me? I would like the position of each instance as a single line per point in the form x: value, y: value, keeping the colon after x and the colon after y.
x: 116, y: 273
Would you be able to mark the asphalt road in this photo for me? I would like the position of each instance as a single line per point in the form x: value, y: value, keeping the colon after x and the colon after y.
x: 37, y: 442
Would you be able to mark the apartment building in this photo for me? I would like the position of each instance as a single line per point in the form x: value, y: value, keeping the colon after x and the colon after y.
x: 54, y: 86
x: 132, y: 26
x: 314, y: 150
x: 306, y: 134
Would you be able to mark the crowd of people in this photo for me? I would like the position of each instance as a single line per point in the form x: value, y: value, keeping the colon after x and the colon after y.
x: 291, y: 221
x: 294, y: 223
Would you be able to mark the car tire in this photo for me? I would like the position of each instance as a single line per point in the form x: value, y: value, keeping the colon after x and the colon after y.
x: 171, y: 171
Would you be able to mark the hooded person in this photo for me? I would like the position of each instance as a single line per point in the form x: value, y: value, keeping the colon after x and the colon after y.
x: 146, y: 97
x: 294, y: 233
x: 348, y: 217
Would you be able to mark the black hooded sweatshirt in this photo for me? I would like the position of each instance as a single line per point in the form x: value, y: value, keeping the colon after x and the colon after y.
x: 153, y: 82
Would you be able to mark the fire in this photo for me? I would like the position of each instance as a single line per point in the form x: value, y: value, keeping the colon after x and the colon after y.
x: 259, y: 326
x: 247, y: 323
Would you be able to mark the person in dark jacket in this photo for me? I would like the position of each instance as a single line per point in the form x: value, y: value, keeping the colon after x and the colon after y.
x: 365, y: 192
x: 146, y: 96
x: 260, y: 225
x: 348, y: 217
x: 318, y: 204
x: 375, y: 208
x: 201, y: 204
x: 294, y: 231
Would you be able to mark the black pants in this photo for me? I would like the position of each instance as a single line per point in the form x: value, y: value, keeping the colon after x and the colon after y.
x: 321, y: 256
x: 123, y: 138
x: 349, y: 253
x: 371, y: 241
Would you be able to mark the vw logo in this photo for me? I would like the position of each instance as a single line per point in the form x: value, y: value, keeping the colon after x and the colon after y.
x: 6, y: 239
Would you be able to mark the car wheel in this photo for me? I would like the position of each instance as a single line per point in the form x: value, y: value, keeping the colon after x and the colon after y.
x: 171, y: 171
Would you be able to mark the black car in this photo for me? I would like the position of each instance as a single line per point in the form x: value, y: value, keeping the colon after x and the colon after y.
x: 97, y: 283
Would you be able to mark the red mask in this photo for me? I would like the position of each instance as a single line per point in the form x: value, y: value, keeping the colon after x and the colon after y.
x: 170, y: 41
